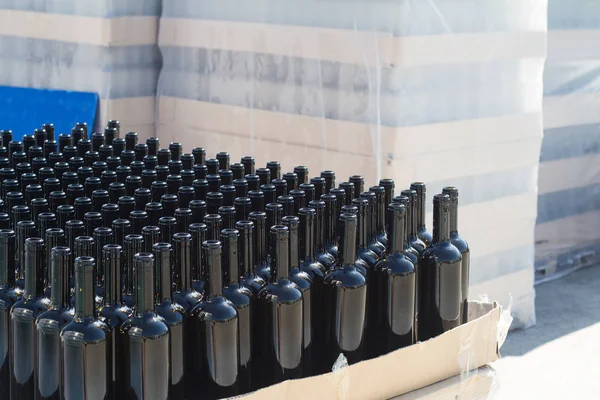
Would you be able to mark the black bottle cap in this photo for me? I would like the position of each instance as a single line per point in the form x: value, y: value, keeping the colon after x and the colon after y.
x: 257, y: 197
x: 213, y: 226
x: 7, y: 137
x: 51, y: 185
x: 168, y: 226
x: 45, y: 221
x: 4, y: 221
x: 65, y: 213
x: 78, y: 134
x: 184, y: 219
x: 90, y: 157
x: 162, y: 171
x: 348, y: 187
x: 288, y: 204
x: 45, y: 173
x: 73, y: 191
x: 28, y: 141
x: 176, y: 150
x: 92, y: 183
x: 131, y: 139
x: 199, y: 154
x: 54, y: 158
x: 107, y: 178
x: 159, y: 189
x: 28, y: 179
x: 151, y: 234
x: 138, y: 219
x: 319, y: 183
x: 248, y: 162
x: 309, y: 191
x: 200, y: 171
x: 83, y: 173
x: 281, y: 188
x: 36, y: 152
x: 101, y: 197
x: 110, y: 134
x: 274, y: 213
x: 118, y: 145
x: 18, y: 158
x: 137, y: 167
x: 291, y: 179
x: 275, y: 168
x: 97, y: 140
x: 116, y: 190
x: 61, y: 168
x: 238, y: 170
x: 33, y: 191
x: 198, y: 208
x: 187, y: 177
x: 302, y: 173
x: 226, y: 176
x: 126, y: 206
x: 49, y: 148
x: 170, y: 203
x: 75, y: 163
x: 153, y: 145
x: 264, y: 175
x: 121, y: 228
x: 164, y: 156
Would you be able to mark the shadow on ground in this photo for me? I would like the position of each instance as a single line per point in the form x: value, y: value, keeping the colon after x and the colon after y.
x: 562, y: 306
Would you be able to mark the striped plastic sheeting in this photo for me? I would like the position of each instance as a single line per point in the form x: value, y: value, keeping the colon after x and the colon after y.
x: 401, y: 89
x: 567, y: 236
x: 107, y: 47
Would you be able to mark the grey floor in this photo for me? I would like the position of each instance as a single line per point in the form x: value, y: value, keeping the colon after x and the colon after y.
x: 559, y: 358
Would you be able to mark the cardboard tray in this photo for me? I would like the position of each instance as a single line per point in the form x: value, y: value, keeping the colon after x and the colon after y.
x: 455, y: 352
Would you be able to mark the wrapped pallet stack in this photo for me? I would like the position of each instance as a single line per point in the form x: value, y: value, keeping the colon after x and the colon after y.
x: 567, y: 233
x: 364, y: 86
x: 106, y: 47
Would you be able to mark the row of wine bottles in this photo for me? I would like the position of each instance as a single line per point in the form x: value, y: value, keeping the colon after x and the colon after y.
x: 122, y: 286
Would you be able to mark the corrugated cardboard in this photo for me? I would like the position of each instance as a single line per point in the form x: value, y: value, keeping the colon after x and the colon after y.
x: 456, y: 352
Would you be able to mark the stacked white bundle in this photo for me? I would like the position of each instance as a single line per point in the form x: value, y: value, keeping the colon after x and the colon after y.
x: 103, y: 46
x: 449, y: 92
x: 567, y: 232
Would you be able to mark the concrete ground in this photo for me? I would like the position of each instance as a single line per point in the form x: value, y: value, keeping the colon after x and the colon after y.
x: 559, y: 358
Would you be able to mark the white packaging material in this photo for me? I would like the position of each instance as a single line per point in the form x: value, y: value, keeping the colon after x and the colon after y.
x: 445, y: 91
x: 106, y: 47
x: 567, y: 233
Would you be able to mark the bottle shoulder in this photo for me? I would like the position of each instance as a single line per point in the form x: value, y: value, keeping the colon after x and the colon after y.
x: 346, y: 276
x: 441, y: 253
x: 313, y: 268
x: 396, y: 264
x: 8, y: 297
x: 88, y: 330
x: 55, y: 318
x: 253, y: 282
x: 367, y: 255
x: 171, y: 312
x: 301, y: 279
x: 282, y: 291
x: 31, y: 306
x: 216, y: 308
x: 459, y: 242
x: 149, y: 325
x: 239, y: 295
x: 114, y: 316
x: 326, y: 259
x: 187, y: 299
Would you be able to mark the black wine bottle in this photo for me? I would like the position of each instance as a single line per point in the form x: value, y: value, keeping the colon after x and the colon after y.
x: 380, y: 212
x: 409, y: 250
x: 248, y: 278
x: 183, y: 293
x: 50, y: 323
x: 242, y: 299
x: 439, y: 277
x: 461, y: 244
x: 419, y: 210
x: 364, y: 252
x: 173, y: 317
x: 331, y: 222
x: 322, y: 256
x: 395, y: 284
x: 279, y: 311
x: 214, y: 336
x: 146, y: 339
x: 345, y: 297
x: 9, y: 295
x: 261, y: 261
x: 374, y: 244
x: 304, y: 283
x: 114, y: 313
x: 23, y: 315
x: 85, y: 342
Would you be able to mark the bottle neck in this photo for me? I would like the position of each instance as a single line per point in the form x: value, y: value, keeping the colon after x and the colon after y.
x: 319, y: 230
x: 294, y: 253
x: 7, y: 262
x: 347, y: 251
x: 331, y: 213
x: 215, y: 283
x: 307, y: 237
x: 380, y: 207
x: 162, y: 283
x: 230, y: 260
x: 34, y: 272
x: 419, y: 210
x: 198, y: 270
x: 131, y: 249
x: 362, y: 228
x: 84, y: 294
x: 261, y: 241
x: 372, y: 213
x: 397, y: 220
x: 453, y: 215
x: 441, y: 223
x: 280, y: 257
x: 144, y: 296
x: 183, y: 267
x: 59, y: 277
x: 112, y: 279
x: 246, y: 252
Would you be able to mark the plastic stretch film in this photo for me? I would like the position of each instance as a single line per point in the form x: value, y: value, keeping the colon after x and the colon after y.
x: 397, y: 89
x: 103, y: 46
x: 567, y: 233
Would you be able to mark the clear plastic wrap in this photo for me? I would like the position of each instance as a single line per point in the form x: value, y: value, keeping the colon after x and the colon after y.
x: 102, y: 46
x: 567, y: 233
x: 446, y: 91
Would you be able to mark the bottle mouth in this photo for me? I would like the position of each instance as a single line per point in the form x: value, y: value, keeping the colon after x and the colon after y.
x: 212, y: 218
x: 244, y: 225
x: 230, y: 233
x: 317, y: 204
x: 83, y: 239
x: 242, y: 201
x: 134, y: 238
x: 274, y: 206
x: 280, y: 230
x: 150, y: 228
x: 307, y: 211
x: 441, y: 198
x: 61, y: 250
x: 347, y: 217
x: 162, y: 247
x: 103, y: 231
x: 167, y: 220
x: 34, y: 241
x: 6, y: 233
x: 198, y: 227
x: 397, y: 208
x: 182, y: 237
x: 112, y: 248
x: 225, y: 210
x: 258, y: 215
x: 290, y: 220
x: 211, y: 245
x: 144, y: 258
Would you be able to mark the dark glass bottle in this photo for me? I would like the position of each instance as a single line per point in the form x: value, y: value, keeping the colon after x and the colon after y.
x: 439, y: 277
x: 198, y: 232
x: 249, y: 164
x: 146, y: 339
x: 23, y: 315
x: 419, y: 210
x: 304, y: 283
x: 50, y: 323
x: 316, y: 272
x: 380, y: 212
x: 151, y: 235
x: 183, y: 293
x: 248, y: 277
x: 389, y: 186
x: 242, y: 299
x: 85, y: 342
x: 395, y: 285
x: 9, y: 295
x: 213, y: 224
x: 173, y: 317
x: 25, y: 229
x: 309, y: 191
x: 168, y: 227
x: 326, y: 259
x: 243, y: 208
x: 132, y: 245
x: 114, y: 313
x: 349, y: 189
x: 261, y: 262
x: 279, y: 311
x: 216, y: 321
x: 461, y: 244
x: 364, y: 252
x: 345, y: 297
x: 227, y: 214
